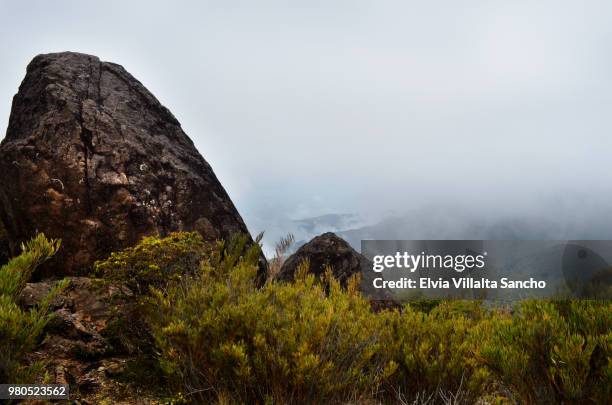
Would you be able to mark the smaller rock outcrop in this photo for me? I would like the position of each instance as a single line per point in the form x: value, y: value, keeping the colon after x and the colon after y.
x: 330, y: 250
x: 322, y: 251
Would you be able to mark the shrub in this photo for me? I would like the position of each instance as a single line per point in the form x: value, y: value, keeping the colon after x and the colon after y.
x: 435, y: 352
x: 155, y: 261
x: 423, y: 304
x: 224, y: 339
x: 20, y: 330
x: 551, y: 352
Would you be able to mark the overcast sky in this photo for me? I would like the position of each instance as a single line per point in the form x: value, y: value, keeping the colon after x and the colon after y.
x: 312, y: 107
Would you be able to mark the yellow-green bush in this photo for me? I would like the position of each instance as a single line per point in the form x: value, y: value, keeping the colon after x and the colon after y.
x: 435, y: 350
x: 223, y: 338
x: 550, y: 352
x: 155, y: 261
x: 21, y: 330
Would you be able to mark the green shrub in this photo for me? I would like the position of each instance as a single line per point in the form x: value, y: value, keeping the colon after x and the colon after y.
x: 423, y: 304
x: 223, y: 339
x: 155, y: 261
x: 551, y: 352
x: 21, y: 330
x: 435, y: 352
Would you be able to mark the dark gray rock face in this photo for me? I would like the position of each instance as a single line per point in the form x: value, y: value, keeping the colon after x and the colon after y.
x: 322, y: 251
x: 92, y: 157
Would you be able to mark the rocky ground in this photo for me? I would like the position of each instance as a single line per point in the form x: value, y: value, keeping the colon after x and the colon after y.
x: 83, y: 346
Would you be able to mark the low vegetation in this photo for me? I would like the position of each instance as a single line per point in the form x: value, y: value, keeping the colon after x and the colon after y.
x: 222, y: 339
x: 155, y: 262
x: 217, y: 336
x: 550, y: 352
x: 21, y: 330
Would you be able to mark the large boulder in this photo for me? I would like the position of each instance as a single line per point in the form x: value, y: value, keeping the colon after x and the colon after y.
x: 92, y: 157
x: 323, y: 251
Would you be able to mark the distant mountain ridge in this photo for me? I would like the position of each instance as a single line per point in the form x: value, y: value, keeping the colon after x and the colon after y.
x: 441, y: 223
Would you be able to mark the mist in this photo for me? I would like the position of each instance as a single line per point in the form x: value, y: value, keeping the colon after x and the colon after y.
x: 483, y: 113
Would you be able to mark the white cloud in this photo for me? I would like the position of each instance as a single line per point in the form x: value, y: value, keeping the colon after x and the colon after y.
x: 345, y: 100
